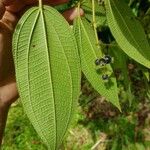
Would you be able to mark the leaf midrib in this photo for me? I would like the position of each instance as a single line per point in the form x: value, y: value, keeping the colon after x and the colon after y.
x: 88, y: 38
x: 50, y: 74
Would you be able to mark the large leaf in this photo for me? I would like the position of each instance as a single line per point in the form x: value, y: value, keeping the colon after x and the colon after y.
x: 89, y: 52
x: 47, y: 72
x: 127, y: 31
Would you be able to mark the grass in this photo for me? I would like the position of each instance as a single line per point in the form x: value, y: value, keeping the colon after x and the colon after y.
x: 19, y: 134
x: 93, y: 127
x: 98, y: 125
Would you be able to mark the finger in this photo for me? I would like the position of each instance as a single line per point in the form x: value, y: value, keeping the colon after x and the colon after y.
x: 10, y: 20
x: 7, y: 2
x: 2, y: 9
x: 71, y: 14
x: 17, y: 5
x: 9, y: 92
x: 50, y: 2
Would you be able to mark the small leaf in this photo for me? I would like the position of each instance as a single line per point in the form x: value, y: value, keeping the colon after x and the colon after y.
x: 89, y: 52
x: 47, y: 72
x: 127, y: 31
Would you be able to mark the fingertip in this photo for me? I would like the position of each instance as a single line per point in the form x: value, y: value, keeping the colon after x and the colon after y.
x: 16, y: 6
x: 81, y: 12
x: 71, y: 14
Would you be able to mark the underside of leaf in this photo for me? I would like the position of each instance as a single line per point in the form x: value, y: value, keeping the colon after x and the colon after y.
x: 89, y: 52
x: 47, y: 72
x: 127, y: 31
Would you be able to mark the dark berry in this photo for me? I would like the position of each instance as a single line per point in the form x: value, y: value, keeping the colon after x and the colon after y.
x: 105, y: 77
x: 97, y: 62
x: 102, y: 62
x: 108, y: 59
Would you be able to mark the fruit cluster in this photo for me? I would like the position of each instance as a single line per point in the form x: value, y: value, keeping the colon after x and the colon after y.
x: 107, y: 59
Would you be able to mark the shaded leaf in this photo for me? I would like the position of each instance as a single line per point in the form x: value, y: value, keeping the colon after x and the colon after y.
x: 47, y: 72
x: 127, y: 31
x: 100, y: 13
x: 120, y: 62
x: 89, y: 52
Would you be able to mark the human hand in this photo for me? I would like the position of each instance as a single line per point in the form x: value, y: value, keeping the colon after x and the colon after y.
x: 10, y: 12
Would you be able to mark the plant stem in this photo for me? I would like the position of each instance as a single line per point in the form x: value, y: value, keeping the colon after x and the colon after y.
x: 78, y: 9
x: 40, y: 3
x: 94, y: 23
x: 95, y: 28
x: 109, y: 45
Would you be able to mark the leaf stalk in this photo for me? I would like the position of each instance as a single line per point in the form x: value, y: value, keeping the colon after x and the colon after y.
x: 94, y: 23
x: 40, y: 3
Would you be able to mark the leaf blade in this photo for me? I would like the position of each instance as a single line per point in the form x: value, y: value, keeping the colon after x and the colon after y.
x: 88, y: 54
x: 53, y: 76
x: 127, y: 31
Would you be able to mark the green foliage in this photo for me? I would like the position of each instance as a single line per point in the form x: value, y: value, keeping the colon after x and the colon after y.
x: 19, y: 133
x: 47, y: 58
x: 120, y: 64
x: 122, y: 128
x: 49, y: 95
x: 89, y: 52
x: 127, y: 31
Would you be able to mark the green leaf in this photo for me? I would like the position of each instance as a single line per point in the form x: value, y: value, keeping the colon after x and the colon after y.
x: 100, y: 13
x: 120, y: 62
x: 127, y: 31
x: 89, y: 52
x: 47, y: 72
